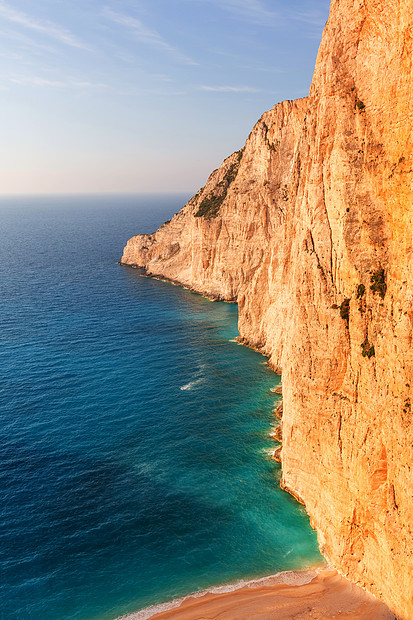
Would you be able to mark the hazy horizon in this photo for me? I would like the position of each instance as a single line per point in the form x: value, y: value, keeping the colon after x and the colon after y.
x: 141, y: 97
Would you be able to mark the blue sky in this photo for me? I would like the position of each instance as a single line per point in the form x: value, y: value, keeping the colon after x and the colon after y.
x: 142, y: 95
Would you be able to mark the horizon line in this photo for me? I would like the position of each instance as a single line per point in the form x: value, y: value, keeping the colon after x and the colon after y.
x: 93, y: 193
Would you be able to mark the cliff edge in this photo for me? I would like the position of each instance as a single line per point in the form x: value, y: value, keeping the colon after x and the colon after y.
x: 309, y: 228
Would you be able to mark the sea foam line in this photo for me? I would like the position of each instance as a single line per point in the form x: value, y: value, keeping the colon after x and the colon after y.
x: 190, y: 385
x: 290, y: 578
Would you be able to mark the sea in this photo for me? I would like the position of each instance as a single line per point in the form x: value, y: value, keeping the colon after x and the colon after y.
x: 135, y: 447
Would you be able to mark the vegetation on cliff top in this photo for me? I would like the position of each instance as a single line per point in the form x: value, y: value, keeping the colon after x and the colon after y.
x: 210, y: 206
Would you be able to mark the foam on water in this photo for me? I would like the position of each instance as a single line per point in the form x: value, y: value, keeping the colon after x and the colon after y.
x: 191, y: 384
x: 290, y: 578
x: 133, y: 466
x: 269, y: 452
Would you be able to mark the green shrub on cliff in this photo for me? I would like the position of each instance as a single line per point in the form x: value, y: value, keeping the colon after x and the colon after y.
x: 360, y: 105
x: 378, y: 283
x: 367, y: 349
x: 345, y: 310
x: 211, y: 204
x: 361, y: 289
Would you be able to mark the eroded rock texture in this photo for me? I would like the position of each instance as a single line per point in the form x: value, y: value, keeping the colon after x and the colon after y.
x: 309, y: 229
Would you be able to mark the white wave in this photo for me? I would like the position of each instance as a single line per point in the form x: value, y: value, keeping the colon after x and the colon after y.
x: 268, y: 451
x: 273, y: 431
x: 199, y: 378
x: 291, y: 578
x: 191, y: 384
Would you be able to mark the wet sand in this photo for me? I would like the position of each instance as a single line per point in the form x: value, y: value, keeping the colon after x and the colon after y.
x: 325, y: 595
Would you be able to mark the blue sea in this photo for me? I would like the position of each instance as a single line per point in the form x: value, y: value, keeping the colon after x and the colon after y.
x: 135, y: 451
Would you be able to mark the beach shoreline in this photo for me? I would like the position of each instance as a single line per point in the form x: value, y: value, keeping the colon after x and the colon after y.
x: 319, y: 593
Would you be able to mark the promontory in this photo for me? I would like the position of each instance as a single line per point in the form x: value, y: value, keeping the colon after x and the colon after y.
x: 309, y: 228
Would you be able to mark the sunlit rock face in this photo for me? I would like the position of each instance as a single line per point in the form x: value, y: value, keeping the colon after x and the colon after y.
x: 309, y: 229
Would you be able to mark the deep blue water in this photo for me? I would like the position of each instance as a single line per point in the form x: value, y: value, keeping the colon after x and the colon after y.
x: 134, y: 461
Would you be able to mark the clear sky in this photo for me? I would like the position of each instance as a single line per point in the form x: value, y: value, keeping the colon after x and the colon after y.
x: 142, y: 95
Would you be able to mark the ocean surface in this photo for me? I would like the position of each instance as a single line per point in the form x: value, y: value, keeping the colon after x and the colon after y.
x: 135, y: 452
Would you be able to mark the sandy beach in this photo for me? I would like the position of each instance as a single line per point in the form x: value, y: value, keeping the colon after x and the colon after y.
x: 322, y: 595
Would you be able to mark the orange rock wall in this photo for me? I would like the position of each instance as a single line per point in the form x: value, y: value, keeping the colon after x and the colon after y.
x: 321, y: 203
x: 348, y: 415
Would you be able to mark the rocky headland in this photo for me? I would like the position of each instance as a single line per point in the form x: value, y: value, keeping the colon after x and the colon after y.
x: 309, y: 229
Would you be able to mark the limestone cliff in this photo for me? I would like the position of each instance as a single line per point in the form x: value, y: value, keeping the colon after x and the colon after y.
x: 309, y: 228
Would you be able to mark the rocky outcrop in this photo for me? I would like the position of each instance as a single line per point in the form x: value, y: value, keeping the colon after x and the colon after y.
x: 309, y: 228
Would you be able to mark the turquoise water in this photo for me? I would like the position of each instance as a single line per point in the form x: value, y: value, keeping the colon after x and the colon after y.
x: 135, y: 441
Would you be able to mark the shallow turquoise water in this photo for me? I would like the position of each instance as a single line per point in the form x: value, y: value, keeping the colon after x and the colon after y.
x: 134, y: 465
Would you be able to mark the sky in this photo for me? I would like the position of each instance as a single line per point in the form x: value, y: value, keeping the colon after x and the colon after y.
x: 102, y: 96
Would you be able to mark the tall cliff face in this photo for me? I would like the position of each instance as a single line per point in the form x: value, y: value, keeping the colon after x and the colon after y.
x: 228, y: 242
x: 309, y: 229
x: 348, y: 380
